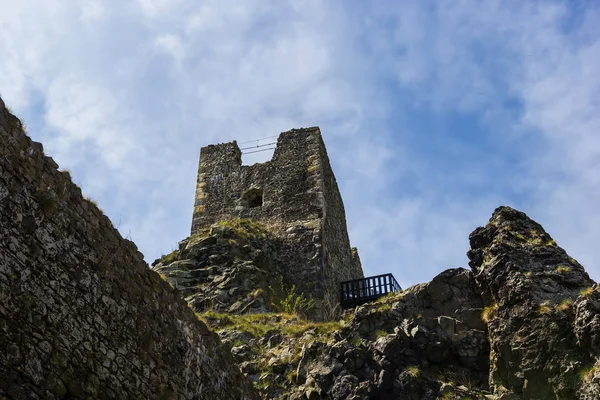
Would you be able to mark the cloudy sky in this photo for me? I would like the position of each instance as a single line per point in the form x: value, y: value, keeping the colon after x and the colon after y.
x: 433, y: 113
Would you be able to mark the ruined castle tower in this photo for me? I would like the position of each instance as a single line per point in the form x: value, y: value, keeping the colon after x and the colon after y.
x: 296, y: 195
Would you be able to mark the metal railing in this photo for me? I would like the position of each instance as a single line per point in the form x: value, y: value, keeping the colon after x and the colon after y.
x: 362, y: 290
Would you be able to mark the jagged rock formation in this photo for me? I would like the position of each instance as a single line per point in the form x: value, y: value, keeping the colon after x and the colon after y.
x: 81, y: 314
x: 524, y: 324
x: 529, y: 286
x: 426, y: 342
x: 228, y: 267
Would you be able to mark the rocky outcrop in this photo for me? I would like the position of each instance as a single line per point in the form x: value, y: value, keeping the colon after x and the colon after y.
x: 425, y: 343
x: 231, y: 267
x: 541, y: 310
x: 524, y: 324
x: 81, y: 314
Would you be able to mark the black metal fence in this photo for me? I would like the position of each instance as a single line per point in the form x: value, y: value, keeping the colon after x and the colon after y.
x: 362, y: 290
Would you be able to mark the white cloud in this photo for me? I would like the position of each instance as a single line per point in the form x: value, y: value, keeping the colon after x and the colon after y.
x: 132, y: 92
x: 92, y: 11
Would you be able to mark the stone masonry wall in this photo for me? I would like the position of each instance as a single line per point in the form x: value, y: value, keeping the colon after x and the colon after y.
x: 301, y: 202
x: 342, y: 261
x: 291, y: 193
x: 81, y: 314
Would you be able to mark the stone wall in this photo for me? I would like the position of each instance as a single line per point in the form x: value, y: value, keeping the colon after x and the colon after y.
x: 342, y: 261
x: 300, y: 202
x: 291, y: 191
x: 81, y: 314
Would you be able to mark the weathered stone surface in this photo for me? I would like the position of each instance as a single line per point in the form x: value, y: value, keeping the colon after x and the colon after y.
x: 299, y: 201
x: 404, y: 346
x: 81, y: 314
x: 529, y: 286
x: 229, y: 267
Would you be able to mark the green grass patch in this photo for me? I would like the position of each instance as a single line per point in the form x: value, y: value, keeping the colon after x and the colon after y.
x: 413, y: 371
x: 246, y: 228
x: 587, y: 373
x: 564, y: 305
x: 256, y: 325
x: 562, y: 269
x: 169, y: 258
x: 545, y: 308
x: 380, y: 333
x: 488, y: 312
x: 586, y: 291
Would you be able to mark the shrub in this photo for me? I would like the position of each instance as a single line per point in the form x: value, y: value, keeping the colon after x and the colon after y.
x: 291, y: 302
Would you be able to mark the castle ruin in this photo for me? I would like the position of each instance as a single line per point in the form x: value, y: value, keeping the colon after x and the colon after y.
x: 296, y: 195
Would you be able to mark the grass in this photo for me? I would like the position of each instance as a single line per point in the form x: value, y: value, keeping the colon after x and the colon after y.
x: 586, y: 374
x: 274, y: 376
x: 67, y: 173
x: 93, y: 202
x: 488, y: 312
x: 291, y: 376
x: 413, y: 371
x: 586, y: 291
x: 545, y: 308
x: 564, y: 305
x: 313, y: 168
x: 562, y: 269
x: 169, y: 258
x: 246, y: 229
x: 533, y: 237
x: 384, y: 303
x: 380, y: 333
x: 256, y: 325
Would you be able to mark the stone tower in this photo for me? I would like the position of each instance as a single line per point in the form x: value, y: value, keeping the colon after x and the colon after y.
x: 296, y: 195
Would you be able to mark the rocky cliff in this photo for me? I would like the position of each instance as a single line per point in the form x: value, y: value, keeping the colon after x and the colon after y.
x: 523, y: 323
x: 539, y: 307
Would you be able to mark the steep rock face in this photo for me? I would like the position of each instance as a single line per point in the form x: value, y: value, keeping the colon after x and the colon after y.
x: 81, y: 314
x: 425, y: 343
x: 530, y: 286
x: 226, y: 268
x: 587, y: 331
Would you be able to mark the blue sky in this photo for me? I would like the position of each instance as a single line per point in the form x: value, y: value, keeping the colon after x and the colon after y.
x: 433, y: 113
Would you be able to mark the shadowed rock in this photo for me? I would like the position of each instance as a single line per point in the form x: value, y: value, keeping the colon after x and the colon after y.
x: 529, y: 286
